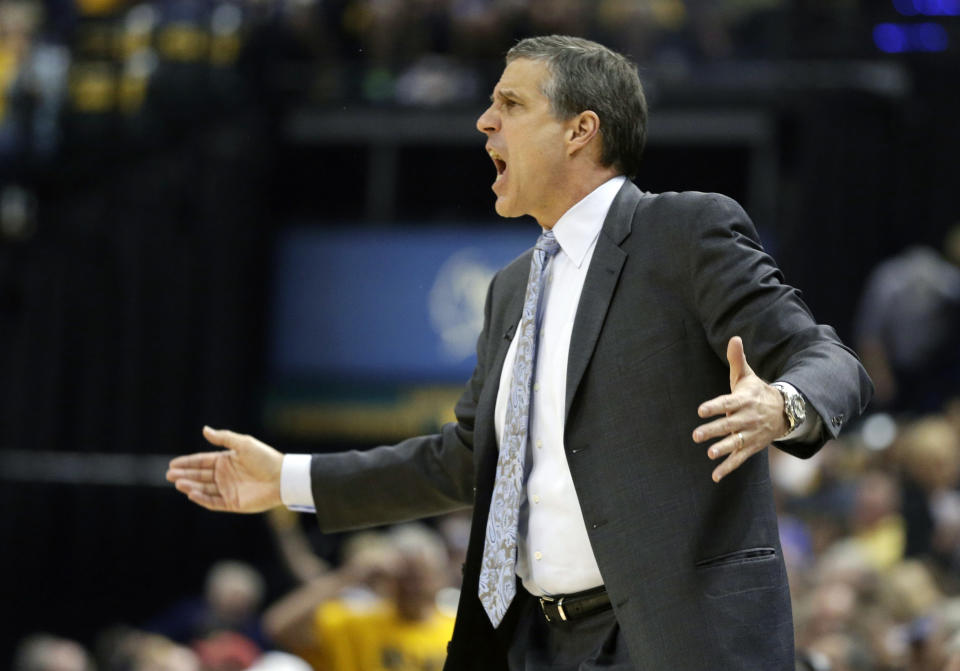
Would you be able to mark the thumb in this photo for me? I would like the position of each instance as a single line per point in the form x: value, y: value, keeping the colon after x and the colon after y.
x: 739, y: 368
x: 223, y: 438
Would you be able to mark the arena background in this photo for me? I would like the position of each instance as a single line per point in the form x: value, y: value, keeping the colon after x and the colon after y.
x: 201, y: 205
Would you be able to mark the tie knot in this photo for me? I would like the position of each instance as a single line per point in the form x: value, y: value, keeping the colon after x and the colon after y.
x: 548, y: 244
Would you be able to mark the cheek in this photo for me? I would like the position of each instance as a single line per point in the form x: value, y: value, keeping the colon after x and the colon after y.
x: 547, y: 154
x: 542, y: 168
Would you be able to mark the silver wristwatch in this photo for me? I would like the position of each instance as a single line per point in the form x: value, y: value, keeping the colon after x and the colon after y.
x: 794, y: 406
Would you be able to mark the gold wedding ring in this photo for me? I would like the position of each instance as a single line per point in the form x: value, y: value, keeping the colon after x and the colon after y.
x: 740, y: 436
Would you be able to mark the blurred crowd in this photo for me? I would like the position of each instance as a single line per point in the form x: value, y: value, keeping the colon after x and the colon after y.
x: 870, y: 529
x: 69, y: 69
x: 387, y: 602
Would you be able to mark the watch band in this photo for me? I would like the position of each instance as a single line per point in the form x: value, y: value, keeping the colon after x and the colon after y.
x: 794, y: 406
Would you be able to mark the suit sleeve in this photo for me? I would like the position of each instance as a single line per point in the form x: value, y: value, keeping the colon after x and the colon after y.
x: 419, y: 477
x: 737, y: 289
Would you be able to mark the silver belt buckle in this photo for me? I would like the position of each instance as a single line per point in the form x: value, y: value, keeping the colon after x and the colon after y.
x: 550, y: 599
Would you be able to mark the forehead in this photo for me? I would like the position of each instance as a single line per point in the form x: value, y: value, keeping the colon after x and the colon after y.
x: 525, y: 77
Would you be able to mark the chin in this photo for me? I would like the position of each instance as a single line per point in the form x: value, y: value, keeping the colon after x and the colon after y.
x: 505, y: 209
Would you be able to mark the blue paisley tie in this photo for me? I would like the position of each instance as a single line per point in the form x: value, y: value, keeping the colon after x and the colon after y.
x: 498, y: 570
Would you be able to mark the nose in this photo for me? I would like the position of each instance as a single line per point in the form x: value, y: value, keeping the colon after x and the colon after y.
x: 489, y: 121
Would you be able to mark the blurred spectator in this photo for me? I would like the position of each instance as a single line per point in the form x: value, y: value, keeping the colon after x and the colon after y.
x: 951, y: 650
x: 44, y: 652
x: 279, y: 661
x: 436, y: 80
x: 843, y: 652
x: 909, y: 591
x: 455, y: 530
x: 18, y: 23
x: 231, y: 601
x: 378, y: 612
x: 833, y: 606
x: 908, y: 324
x: 32, y: 83
x: 127, y: 649
x: 876, y: 524
x: 561, y: 17
x: 362, y: 583
x: 928, y: 453
x: 226, y: 651
x: 294, y: 546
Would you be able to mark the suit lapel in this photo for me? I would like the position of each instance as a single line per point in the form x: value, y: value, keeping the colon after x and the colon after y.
x: 599, y: 285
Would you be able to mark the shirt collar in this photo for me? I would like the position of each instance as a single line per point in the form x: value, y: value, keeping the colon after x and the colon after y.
x: 580, y: 225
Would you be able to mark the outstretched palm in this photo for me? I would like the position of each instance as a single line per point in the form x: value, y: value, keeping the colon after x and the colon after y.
x: 245, y: 478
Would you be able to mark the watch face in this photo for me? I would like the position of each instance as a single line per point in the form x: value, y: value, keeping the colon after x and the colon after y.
x: 797, y: 410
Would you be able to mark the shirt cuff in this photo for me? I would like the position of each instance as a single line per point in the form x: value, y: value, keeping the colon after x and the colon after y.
x: 807, y: 430
x: 295, y: 490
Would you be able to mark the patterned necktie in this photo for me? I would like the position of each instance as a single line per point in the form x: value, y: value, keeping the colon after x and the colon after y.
x: 498, y: 570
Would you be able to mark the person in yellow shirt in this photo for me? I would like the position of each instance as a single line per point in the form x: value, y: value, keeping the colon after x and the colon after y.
x: 378, y: 613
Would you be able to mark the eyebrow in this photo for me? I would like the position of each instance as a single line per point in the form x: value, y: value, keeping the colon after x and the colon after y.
x: 504, y: 93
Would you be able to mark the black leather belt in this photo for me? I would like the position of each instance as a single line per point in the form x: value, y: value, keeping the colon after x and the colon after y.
x: 567, y: 607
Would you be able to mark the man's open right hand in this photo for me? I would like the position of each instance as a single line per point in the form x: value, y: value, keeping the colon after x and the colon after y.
x: 244, y: 478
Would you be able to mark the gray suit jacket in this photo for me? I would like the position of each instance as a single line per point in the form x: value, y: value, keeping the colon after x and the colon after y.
x: 694, y: 569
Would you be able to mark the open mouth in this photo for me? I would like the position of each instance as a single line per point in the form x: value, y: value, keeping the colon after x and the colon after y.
x: 498, y: 161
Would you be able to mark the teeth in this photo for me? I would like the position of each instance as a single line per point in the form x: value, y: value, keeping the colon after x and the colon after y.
x: 498, y: 160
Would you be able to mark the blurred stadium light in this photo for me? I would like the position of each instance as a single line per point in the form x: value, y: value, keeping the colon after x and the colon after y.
x: 928, y: 7
x: 897, y: 38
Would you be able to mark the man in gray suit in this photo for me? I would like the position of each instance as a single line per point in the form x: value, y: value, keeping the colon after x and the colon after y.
x: 622, y: 339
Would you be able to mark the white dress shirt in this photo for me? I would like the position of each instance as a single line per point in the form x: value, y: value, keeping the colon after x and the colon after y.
x: 554, y: 553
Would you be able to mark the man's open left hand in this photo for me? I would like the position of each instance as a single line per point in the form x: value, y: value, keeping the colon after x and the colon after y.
x: 753, y: 415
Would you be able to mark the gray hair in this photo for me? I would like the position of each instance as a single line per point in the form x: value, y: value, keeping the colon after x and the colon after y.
x: 589, y: 76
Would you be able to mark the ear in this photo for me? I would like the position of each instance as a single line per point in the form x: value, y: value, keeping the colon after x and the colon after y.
x: 581, y: 130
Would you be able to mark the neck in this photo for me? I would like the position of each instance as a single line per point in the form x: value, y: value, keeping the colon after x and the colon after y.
x: 572, y: 191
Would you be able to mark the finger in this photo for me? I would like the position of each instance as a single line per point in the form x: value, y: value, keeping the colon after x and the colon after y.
x: 207, y: 499
x: 721, y: 404
x: 196, y: 460
x: 225, y: 438
x: 739, y: 368
x: 215, y: 436
x: 197, y: 474
x: 731, y: 463
x: 720, y: 427
x: 728, y: 445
